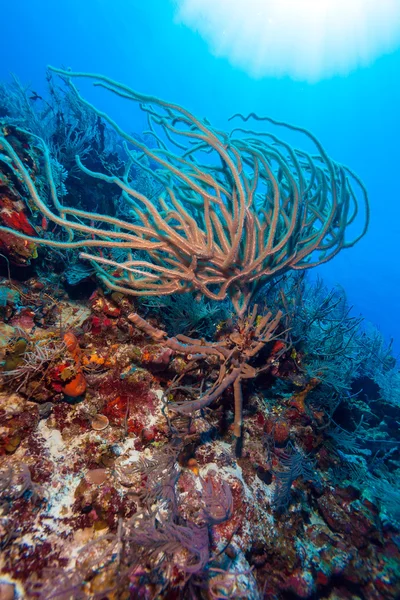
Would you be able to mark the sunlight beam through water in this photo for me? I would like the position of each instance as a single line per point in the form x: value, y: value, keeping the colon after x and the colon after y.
x: 304, y: 39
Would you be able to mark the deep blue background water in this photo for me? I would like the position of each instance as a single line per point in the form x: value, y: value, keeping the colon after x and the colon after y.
x: 357, y: 118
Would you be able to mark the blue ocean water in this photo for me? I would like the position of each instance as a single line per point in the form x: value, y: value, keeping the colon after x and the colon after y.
x: 356, y: 117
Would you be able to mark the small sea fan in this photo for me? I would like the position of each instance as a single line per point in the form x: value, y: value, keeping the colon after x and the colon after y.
x: 296, y: 465
x: 60, y: 175
x: 77, y: 273
x: 158, y: 476
x: 217, y: 498
x: 185, y: 314
x: 59, y: 584
x: 162, y: 540
x: 8, y: 296
x: 345, y: 441
x: 35, y: 360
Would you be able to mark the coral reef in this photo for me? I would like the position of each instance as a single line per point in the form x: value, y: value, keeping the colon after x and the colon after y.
x: 116, y: 494
x: 191, y: 447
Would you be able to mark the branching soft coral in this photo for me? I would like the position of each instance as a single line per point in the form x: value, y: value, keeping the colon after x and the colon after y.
x: 233, y: 210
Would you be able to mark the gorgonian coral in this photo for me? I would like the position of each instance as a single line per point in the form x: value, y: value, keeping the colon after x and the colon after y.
x: 232, y: 210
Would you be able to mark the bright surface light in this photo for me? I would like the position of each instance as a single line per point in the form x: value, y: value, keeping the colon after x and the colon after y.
x: 305, y: 39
